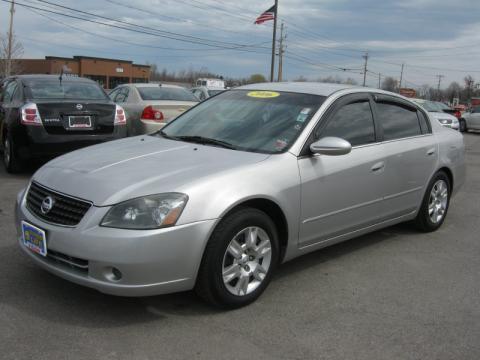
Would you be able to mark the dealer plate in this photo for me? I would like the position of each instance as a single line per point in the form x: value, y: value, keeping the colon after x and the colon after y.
x: 34, y: 238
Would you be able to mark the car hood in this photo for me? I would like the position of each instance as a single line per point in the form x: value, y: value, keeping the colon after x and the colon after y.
x: 442, y: 115
x: 124, y: 169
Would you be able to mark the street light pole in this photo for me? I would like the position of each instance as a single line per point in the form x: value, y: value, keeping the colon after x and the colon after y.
x: 8, y: 69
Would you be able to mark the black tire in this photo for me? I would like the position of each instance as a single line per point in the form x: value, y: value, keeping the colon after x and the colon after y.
x: 463, y: 126
x: 423, y: 220
x: 210, y: 285
x: 11, y: 161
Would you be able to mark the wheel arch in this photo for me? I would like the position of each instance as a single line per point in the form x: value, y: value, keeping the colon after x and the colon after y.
x: 449, y: 173
x: 272, y: 210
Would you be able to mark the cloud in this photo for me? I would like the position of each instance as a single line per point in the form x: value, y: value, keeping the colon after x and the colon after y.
x: 422, y: 33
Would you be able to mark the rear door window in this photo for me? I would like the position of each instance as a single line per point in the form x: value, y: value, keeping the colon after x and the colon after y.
x: 352, y: 122
x: 398, y: 120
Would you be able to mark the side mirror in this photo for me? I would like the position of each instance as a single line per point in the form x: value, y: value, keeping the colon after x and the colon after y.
x: 331, y: 146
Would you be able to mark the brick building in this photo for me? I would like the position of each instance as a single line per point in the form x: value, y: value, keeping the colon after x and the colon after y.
x: 107, y: 72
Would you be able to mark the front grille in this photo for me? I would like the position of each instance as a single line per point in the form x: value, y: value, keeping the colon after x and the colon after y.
x: 66, y: 210
x: 78, y: 264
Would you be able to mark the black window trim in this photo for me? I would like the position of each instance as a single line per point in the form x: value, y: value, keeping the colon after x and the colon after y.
x: 332, y: 110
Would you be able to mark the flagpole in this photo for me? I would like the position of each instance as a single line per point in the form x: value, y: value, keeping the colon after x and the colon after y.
x: 272, y: 66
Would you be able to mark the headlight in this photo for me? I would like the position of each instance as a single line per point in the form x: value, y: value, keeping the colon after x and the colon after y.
x: 148, y: 212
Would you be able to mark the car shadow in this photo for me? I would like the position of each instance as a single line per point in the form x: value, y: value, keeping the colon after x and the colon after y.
x: 30, y: 289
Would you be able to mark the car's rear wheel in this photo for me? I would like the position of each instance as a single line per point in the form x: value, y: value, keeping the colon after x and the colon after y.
x: 10, y: 158
x: 435, y: 203
x: 463, y: 125
x: 239, y: 259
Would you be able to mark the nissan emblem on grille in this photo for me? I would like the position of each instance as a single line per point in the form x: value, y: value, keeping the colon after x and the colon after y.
x: 47, y: 204
x: 79, y: 106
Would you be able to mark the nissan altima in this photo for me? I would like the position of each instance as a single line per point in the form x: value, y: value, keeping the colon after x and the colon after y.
x: 237, y: 185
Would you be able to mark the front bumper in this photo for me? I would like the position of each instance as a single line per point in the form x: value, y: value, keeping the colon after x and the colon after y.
x: 151, y: 262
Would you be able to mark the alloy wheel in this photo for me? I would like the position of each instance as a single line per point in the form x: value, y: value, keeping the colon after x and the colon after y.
x: 438, y: 201
x: 246, y: 261
x: 6, y: 151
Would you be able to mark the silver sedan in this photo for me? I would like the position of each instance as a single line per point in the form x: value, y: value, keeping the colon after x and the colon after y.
x: 149, y: 107
x: 244, y: 181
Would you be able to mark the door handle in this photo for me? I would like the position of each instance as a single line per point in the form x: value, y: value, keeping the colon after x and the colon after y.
x: 430, y: 151
x: 378, y: 166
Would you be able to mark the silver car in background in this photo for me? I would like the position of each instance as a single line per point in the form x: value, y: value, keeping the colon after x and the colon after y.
x: 470, y: 120
x: 437, y: 110
x: 149, y: 107
x: 242, y: 182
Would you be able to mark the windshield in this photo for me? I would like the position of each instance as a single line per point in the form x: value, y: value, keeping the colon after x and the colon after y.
x: 166, y: 93
x: 258, y: 121
x: 75, y: 90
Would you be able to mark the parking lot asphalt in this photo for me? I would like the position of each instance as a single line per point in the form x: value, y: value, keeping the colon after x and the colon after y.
x: 393, y: 294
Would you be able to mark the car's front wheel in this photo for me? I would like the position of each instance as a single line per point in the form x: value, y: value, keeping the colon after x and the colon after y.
x: 435, y: 203
x: 239, y: 259
x: 463, y: 125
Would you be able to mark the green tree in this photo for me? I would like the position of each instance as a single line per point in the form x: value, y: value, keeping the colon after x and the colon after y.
x: 257, y: 78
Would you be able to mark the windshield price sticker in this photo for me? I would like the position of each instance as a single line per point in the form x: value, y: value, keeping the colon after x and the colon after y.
x: 263, y: 94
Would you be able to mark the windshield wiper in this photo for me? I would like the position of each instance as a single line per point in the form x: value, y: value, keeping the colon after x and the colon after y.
x: 164, y: 134
x: 205, y: 141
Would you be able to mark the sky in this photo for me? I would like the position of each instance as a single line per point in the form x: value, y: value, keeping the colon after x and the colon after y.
x: 323, y: 37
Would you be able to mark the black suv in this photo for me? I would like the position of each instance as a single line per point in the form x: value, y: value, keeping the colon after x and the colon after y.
x: 43, y: 116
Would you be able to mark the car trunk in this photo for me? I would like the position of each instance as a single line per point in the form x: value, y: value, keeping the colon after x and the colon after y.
x: 170, y: 109
x: 61, y: 117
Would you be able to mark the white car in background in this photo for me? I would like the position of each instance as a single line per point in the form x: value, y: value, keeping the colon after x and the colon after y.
x: 436, y: 111
x: 203, y: 92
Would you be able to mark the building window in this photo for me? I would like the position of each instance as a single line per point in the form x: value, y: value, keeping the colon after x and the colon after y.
x: 139, y: 80
x: 114, y: 81
x: 101, y: 80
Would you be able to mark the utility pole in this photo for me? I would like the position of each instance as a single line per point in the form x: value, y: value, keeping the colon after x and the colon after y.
x: 272, y: 66
x: 365, y: 68
x: 10, y: 40
x: 438, y: 85
x: 401, y: 78
x: 379, y: 80
x: 281, y: 50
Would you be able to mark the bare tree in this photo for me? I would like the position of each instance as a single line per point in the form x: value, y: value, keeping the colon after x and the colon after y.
x: 16, y: 53
x: 389, y: 84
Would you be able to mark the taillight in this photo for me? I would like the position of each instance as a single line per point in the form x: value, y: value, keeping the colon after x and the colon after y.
x: 458, y: 114
x: 120, y: 118
x: 149, y: 113
x: 30, y: 115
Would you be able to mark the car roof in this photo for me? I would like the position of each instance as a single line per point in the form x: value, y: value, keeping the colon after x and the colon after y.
x: 66, y: 77
x: 314, y: 88
x: 155, y: 85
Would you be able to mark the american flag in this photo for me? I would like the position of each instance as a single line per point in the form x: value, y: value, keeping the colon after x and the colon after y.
x: 266, y: 15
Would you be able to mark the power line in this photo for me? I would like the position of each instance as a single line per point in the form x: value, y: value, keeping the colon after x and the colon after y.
x: 232, y: 46
x: 136, y: 44
x: 167, y: 34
